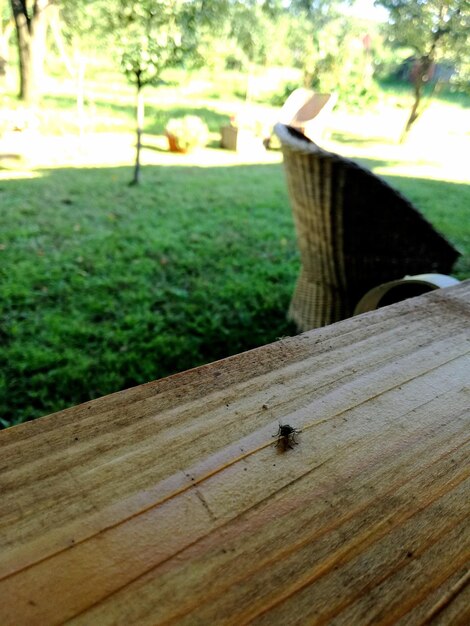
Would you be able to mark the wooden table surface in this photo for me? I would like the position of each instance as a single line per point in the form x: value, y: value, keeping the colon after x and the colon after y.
x: 170, y: 504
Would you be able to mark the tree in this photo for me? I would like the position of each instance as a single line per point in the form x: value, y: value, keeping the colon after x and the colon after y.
x: 154, y: 35
x: 31, y: 27
x: 434, y: 30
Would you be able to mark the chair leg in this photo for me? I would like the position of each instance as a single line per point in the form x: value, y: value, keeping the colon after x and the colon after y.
x: 315, y: 304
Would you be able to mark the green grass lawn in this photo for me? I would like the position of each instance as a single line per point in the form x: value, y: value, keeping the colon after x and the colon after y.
x: 103, y: 286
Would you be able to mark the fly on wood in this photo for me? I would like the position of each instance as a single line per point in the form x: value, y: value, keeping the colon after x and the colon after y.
x: 286, y: 437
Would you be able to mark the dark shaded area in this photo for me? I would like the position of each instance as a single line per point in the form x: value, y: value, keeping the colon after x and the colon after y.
x: 445, y: 204
x: 156, y: 116
x: 403, y: 292
x: 348, y: 138
x: 446, y: 93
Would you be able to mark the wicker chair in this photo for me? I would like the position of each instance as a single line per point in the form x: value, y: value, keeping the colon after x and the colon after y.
x: 354, y: 232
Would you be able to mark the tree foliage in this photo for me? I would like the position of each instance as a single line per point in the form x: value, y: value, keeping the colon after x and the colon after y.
x: 429, y: 27
x: 149, y: 39
x: 435, y: 30
x: 250, y: 29
x: 154, y: 35
x: 84, y: 23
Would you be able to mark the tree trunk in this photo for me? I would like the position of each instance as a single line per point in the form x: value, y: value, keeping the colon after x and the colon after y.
x: 139, y: 128
x: 414, y: 114
x: 31, y: 36
x: 420, y: 75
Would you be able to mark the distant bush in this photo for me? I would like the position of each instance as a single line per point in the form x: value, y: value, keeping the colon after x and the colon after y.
x: 277, y: 99
x: 358, y: 96
x: 352, y: 94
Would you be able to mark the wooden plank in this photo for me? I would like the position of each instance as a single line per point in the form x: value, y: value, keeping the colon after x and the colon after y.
x: 169, y: 503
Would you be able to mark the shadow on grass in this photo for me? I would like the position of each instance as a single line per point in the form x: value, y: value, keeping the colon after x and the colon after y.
x: 156, y: 116
x: 372, y: 164
x: 214, y: 143
x: 104, y: 286
x: 348, y: 138
x: 213, y: 119
x: 443, y: 92
x: 154, y: 148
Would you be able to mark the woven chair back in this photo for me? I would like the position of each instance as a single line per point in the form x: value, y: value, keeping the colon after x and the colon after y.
x: 354, y: 232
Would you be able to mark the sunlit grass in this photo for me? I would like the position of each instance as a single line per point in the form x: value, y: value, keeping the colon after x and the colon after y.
x: 434, y: 148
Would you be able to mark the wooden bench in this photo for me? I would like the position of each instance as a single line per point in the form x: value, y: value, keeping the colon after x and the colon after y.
x: 170, y: 503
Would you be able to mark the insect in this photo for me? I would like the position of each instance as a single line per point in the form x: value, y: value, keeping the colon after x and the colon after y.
x: 286, y: 436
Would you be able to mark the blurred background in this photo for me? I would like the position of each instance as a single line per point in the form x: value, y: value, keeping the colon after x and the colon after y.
x: 125, y: 258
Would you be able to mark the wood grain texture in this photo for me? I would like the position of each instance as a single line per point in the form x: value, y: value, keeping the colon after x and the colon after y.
x: 169, y: 504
